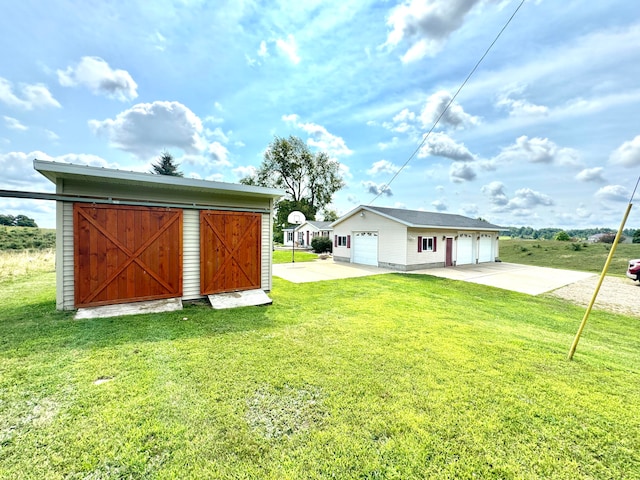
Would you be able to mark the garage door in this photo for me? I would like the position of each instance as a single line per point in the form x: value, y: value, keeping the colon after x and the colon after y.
x: 365, y: 248
x: 465, y: 250
x: 485, y: 249
x: 126, y: 254
x: 230, y: 245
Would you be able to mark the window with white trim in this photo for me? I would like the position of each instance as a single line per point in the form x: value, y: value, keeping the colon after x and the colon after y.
x: 342, y: 240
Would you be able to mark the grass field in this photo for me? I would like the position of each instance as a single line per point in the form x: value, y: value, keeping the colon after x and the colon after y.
x: 21, y: 238
x: 285, y: 256
x: 583, y: 256
x: 394, y: 376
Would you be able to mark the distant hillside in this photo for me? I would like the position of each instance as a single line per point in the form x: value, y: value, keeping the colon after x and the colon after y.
x: 26, y: 238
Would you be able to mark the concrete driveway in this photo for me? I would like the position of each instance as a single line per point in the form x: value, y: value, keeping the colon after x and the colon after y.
x: 508, y: 276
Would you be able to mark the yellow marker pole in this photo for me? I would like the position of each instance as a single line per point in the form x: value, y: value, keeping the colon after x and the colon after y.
x: 595, y: 293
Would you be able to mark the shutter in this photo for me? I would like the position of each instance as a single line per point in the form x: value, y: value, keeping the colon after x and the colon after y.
x: 434, y: 243
x: 335, y: 240
x: 419, y: 244
x: 348, y: 241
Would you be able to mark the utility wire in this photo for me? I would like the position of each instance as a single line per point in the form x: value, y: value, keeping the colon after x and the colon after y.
x: 435, y: 124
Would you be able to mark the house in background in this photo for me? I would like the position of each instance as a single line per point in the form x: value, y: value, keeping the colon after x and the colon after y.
x: 124, y: 237
x: 412, y: 240
x: 311, y: 229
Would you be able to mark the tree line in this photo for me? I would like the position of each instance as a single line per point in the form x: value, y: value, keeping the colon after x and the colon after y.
x: 578, y: 234
x: 17, y: 221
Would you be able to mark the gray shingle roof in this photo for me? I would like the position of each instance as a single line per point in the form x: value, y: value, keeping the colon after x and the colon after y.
x: 417, y: 218
x: 320, y: 225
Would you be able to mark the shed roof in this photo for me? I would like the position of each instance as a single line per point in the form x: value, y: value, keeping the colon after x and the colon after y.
x: 421, y: 219
x: 56, y: 170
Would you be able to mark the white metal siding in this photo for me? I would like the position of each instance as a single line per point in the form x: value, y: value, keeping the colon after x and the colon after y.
x: 365, y: 248
x: 191, y: 254
x: 426, y: 257
x: 485, y: 249
x: 67, y: 290
x: 266, y: 254
x: 392, y: 236
x: 465, y: 254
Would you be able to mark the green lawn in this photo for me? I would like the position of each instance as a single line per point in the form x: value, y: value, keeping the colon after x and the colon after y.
x: 583, y: 256
x: 285, y: 256
x: 393, y: 376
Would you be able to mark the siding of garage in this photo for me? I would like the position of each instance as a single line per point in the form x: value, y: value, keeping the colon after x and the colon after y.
x: 391, y: 237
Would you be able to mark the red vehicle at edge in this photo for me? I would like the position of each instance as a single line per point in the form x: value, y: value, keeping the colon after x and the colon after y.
x: 633, y: 272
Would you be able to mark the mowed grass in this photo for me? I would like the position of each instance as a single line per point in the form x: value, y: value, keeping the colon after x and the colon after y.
x: 286, y: 256
x: 583, y: 256
x: 391, y: 376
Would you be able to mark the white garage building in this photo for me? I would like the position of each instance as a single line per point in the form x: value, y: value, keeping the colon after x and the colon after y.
x: 412, y: 240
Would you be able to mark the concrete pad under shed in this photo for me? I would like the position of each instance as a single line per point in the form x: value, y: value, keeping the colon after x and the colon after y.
x: 135, y: 308
x: 247, y: 298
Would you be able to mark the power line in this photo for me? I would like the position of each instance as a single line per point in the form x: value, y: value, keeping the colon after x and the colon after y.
x: 435, y: 124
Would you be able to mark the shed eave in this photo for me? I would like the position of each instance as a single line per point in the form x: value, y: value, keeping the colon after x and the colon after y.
x: 55, y: 171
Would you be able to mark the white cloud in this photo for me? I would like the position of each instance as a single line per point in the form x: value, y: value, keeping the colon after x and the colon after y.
x: 440, y: 206
x: 470, y: 210
x: 461, y: 172
x: 18, y: 172
x: 591, y: 175
x: 319, y: 137
x: 262, y: 51
x: 242, y: 172
x: 146, y: 128
x: 219, y: 154
x: 495, y: 191
x: 455, y: 116
x: 440, y: 144
x: 519, y: 107
x: 627, y: 154
x: 289, y: 48
x: 14, y: 124
x: 538, y: 150
x: 527, y: 198
x: 96, y: 74
x: 385, y: 145
x: 33, y: 96
x: 384, y: 167
x: 616, y: 193
x: 377, y: 189
x: 425, y: 25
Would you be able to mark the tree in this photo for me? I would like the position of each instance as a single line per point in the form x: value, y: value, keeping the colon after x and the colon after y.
x: 636, y: 236
x: 563, y: 236
x: 309, y: 178
x: 330, y: 215
x: 7, y: 220
x: 166, y: 165
x: 24, y: 221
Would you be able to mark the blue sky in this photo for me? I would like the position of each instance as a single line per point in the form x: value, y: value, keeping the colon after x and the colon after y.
x: 546, y: 133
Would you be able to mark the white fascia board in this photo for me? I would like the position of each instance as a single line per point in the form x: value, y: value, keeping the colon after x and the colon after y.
x: 55, y: 170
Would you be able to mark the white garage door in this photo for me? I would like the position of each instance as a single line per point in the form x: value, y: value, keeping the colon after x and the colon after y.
x: 365, y: 248
x: 465, y: 250
x: 485, y: 253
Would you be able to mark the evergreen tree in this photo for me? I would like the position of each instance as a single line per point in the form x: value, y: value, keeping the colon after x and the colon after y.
x: 166, y: 165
